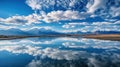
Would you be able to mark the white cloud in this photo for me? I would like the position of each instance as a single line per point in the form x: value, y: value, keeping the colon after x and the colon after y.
x: 96, y: 5
x: 117, y: 22
x: 37, y: 28
x: 92, y: 5
x: 115, y: 11
x: 52, y: 4
x: 75, y: 24
x: 60, y: 15
x: 55, y: 16
x: 34, y: 4
x: 17, y: 20
x: 105, y: 8
x: 4, y: 27
x: 67, y: 27
x: 40, y: 4
x: 68, y: 14
x: 90, y: 27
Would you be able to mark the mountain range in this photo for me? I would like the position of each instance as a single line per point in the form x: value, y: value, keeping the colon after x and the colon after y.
x: 35, y: 31
x: 43, y: 31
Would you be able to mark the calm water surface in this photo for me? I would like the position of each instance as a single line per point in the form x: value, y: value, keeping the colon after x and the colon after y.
x: 59, y: 52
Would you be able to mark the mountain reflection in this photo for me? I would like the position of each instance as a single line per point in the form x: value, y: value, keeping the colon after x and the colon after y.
x: 60, y: 52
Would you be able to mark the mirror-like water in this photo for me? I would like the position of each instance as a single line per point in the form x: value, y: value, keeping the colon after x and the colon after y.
x: 59, y: 52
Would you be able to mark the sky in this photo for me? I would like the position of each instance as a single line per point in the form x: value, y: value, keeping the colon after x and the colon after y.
x: 64, y: 16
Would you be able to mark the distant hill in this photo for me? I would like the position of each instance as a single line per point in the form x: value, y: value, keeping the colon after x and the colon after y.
x: 35, y: 31
x: 96, y: 32
x: 42, y: 31
x: 13, y: 31
x: 107, y: 32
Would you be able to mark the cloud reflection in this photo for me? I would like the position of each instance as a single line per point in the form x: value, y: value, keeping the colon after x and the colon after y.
x: 66, y: 51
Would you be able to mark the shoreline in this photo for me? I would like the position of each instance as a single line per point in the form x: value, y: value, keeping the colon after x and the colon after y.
x: 112, y: 37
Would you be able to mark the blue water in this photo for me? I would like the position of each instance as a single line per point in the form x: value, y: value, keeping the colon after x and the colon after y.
x: 59, y: 52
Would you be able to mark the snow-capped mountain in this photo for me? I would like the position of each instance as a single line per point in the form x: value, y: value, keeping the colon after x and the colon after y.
x: 106, y: 32
x: 42, y: 31
x: 13, y: 31
x: 34, y: 32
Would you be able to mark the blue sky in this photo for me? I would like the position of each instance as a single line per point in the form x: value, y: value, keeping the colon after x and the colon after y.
x: 62, y: 16
x: 14, y: 7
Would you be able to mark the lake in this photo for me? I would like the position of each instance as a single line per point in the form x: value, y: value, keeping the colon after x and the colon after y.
x: 59, y: 52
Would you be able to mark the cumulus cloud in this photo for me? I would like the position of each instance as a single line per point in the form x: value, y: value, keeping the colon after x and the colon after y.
x: 75, y: 24
x: 114, y: 11
x: 97, y: 4
x: 3, y: 27
x: 71, y: 12
x: 37, y: 28
x: 68, y: 10
x: 91, y: 27
x: 33, y: 18
x: 55, y: 4
x: 70, y: 27
x: 90, y: 6
x: 104, y: 8
x: 34, y: 4
x: 55, y: 16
